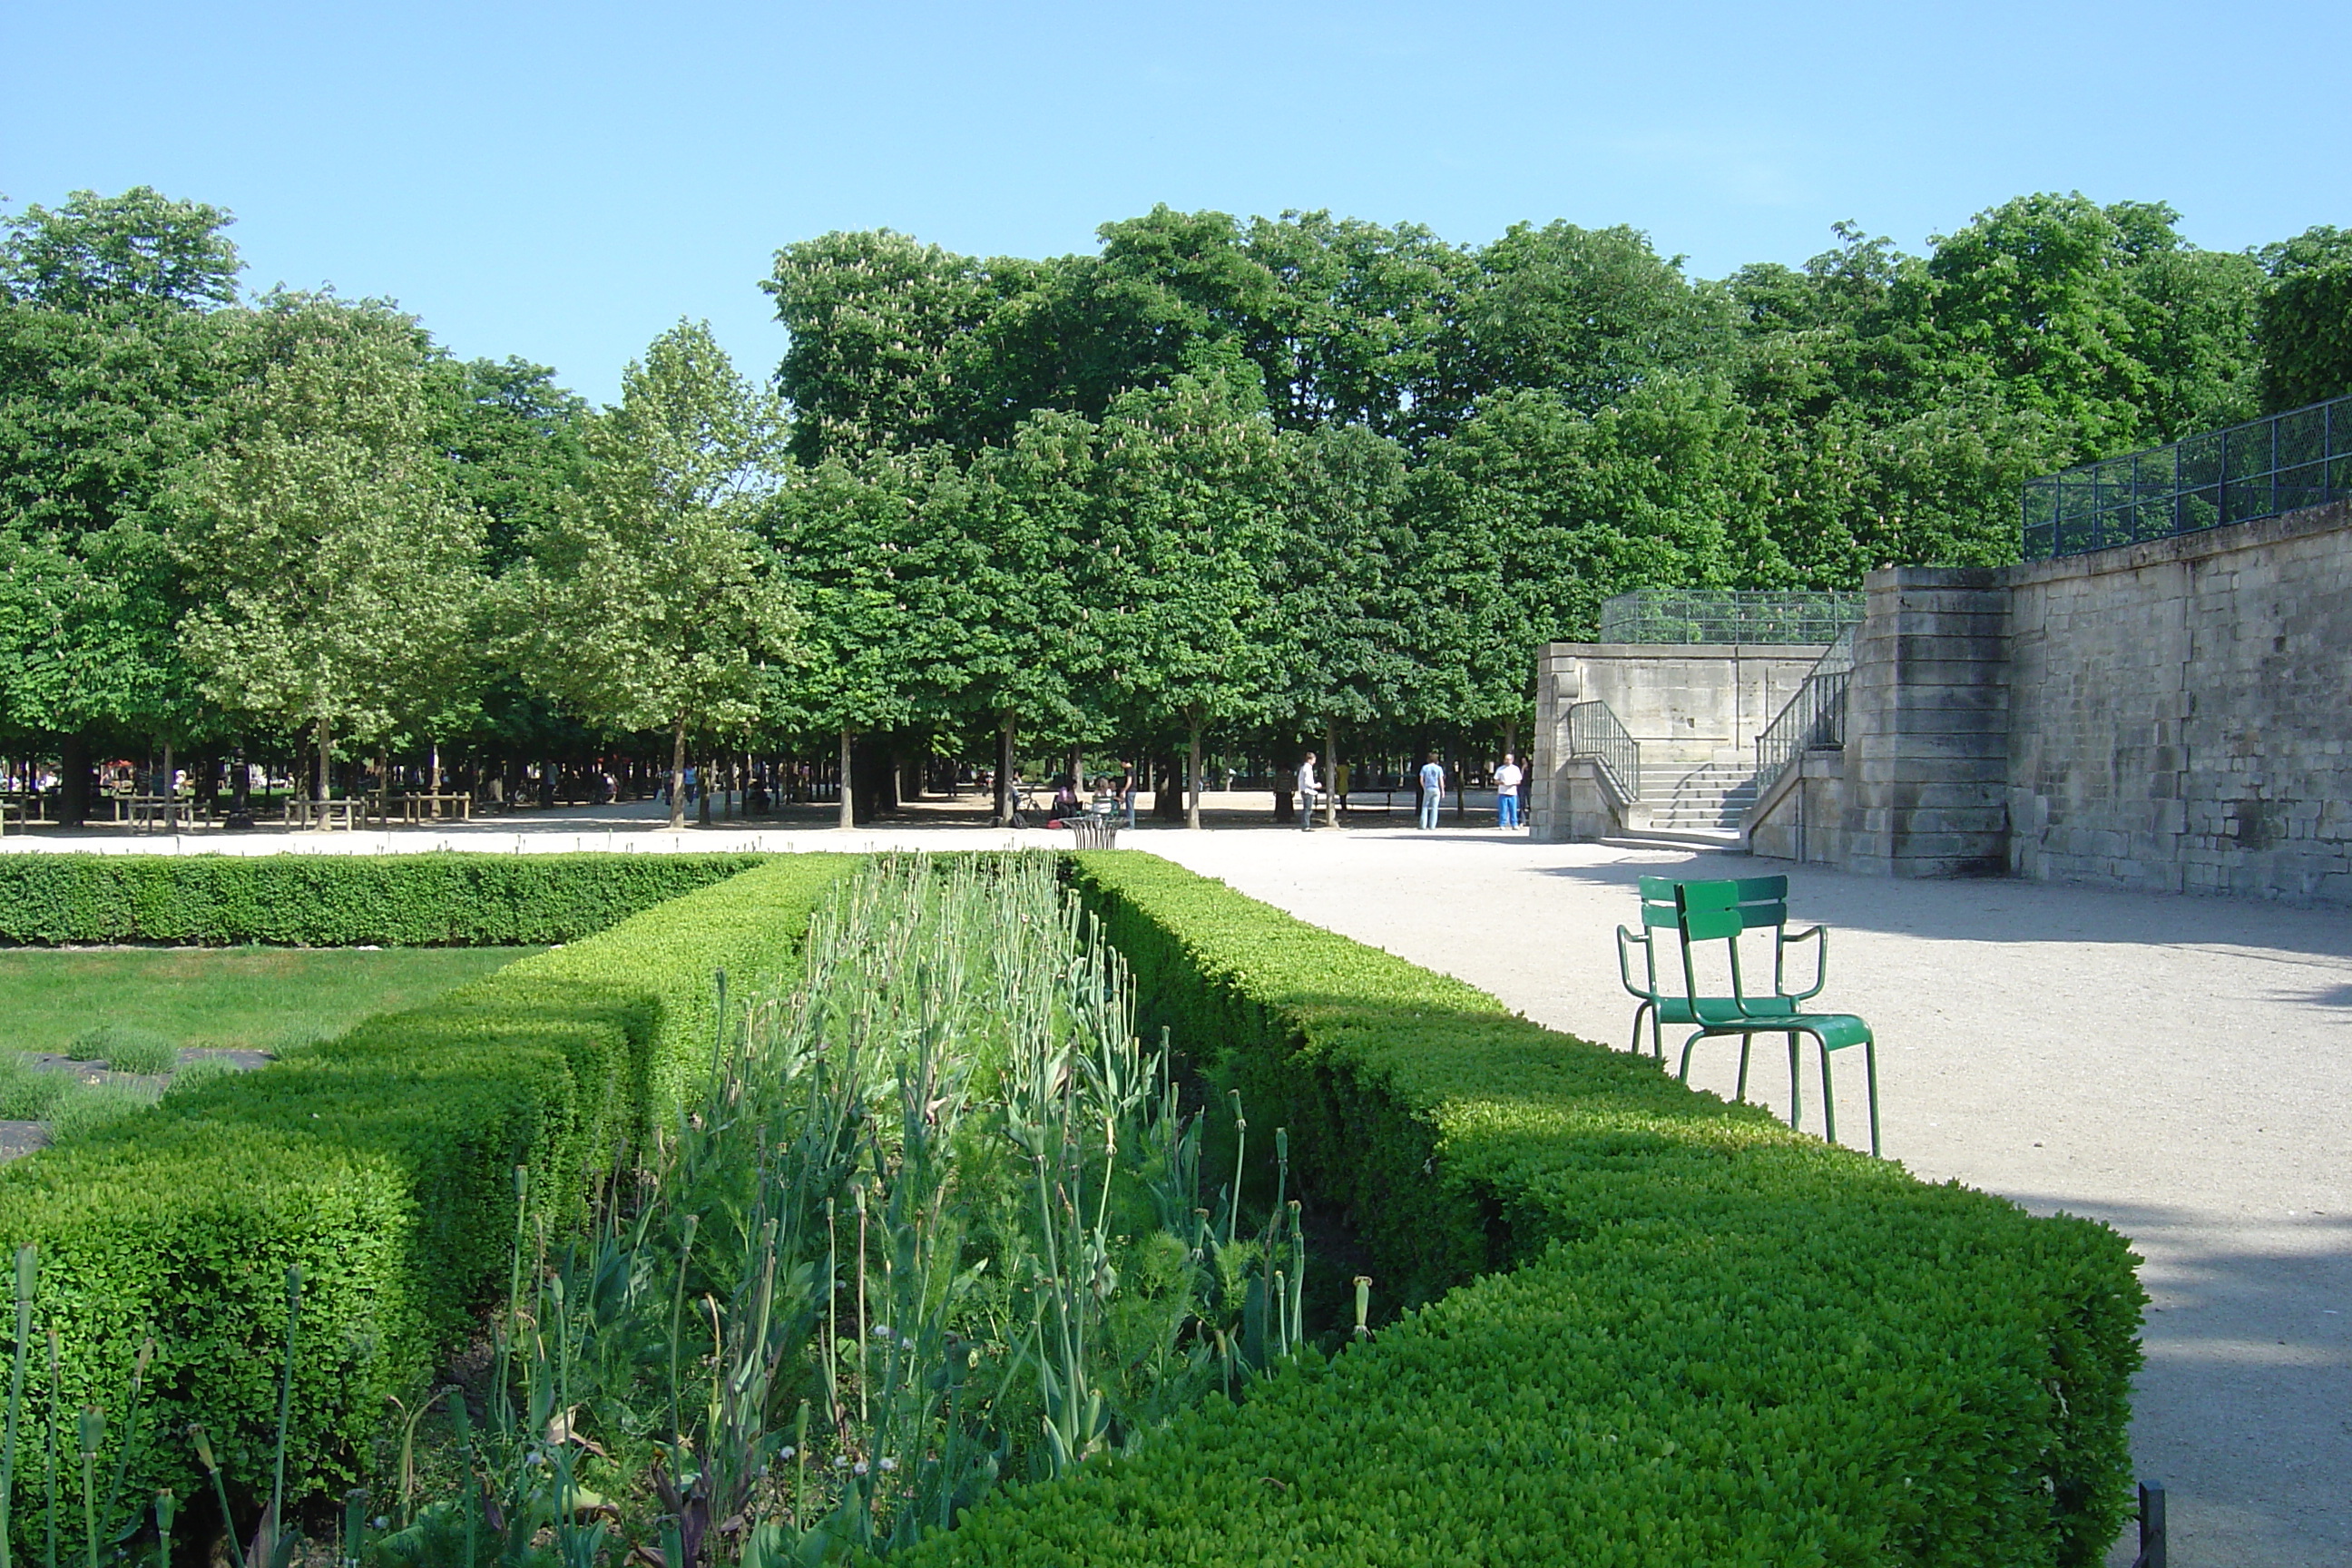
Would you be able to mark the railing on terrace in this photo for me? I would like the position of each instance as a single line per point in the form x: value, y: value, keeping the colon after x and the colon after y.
x: 2288, y: 462
x: 1813, y: 719
x: 1726, y: 616
x: 1594, y: 730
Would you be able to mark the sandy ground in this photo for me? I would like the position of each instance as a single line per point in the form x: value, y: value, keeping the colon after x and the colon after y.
x: 2176, y: 1066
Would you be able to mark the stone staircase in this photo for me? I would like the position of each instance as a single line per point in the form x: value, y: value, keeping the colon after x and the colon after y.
x: 1704, y: 798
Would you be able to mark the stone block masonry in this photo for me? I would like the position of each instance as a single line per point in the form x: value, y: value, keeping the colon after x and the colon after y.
x: 2183, y: 713
x: 2171, y: 717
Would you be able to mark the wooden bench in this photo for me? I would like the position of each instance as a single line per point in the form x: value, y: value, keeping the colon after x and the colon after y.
x: 445, y: 806
x: 325, y: 816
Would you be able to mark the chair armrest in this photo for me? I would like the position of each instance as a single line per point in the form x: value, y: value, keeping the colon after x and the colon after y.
x: 1625, y: 973
x: 1820, y: 936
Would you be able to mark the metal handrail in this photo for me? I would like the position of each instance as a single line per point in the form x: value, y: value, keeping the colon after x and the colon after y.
x: 1815, y: 718
x: 1595, y: 731
x: 2289, y: 461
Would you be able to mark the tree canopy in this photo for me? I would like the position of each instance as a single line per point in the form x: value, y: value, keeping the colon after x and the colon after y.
x: 1254, y: 481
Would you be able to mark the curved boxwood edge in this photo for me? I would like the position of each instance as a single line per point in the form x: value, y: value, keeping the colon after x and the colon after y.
x: 383, y: 1165
x: 1721, y: 1341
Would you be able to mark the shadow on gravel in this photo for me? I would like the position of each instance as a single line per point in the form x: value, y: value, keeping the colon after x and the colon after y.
x: 1999, y: 910
x: 2245, y: 1411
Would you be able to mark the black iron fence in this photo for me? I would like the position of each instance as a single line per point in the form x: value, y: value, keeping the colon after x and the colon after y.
x: 1815, y: 718
x: 2284, y: 463
x: 1726, y: 616
x: 1594, y: 730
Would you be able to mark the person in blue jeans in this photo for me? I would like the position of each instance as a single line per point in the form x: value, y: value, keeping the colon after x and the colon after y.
x: 1433, y: 790
x: 1506, y: 792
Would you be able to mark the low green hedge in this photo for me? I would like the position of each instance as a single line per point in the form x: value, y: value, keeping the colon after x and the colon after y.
x: 383, y: 1165
x: 1699, y: 1337
x: 442, y: 899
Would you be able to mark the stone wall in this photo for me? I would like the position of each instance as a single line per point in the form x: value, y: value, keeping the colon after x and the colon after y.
x: 2181, y: 710
x: 1686, y: 703
x: 2173, y: 716
x: 1926, y: 764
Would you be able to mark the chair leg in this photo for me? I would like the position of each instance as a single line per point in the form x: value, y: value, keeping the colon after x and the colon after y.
x: 1829, y: 1101
x: 1688, y: 1045
x: 1739, y: 1095
x: 1796, y: 1088
x: 1639, y: 1012
x: 1870, y: 1060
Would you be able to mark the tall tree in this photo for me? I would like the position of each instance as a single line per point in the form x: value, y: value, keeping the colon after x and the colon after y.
x: 651, y: 600
x: 853, y: 539
x: 2306, y: 319
x: 337, y: 573
x: 1191, y: 480
x: 1339, y: 660
x: 112, y: 360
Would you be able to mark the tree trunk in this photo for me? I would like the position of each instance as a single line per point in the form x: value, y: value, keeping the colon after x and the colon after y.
x: 326, y: 761
x: 1330, y: 774
x: 1005, y: 798
x: 1192, y: 770
x: 847, y: 815
x: 678, y: 775
x: 702, y: 794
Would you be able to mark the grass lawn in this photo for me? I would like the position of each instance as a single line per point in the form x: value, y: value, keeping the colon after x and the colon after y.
x: 260, y: 998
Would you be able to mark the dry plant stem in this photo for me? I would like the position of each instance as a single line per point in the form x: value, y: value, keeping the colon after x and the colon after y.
x: 28, y: 1277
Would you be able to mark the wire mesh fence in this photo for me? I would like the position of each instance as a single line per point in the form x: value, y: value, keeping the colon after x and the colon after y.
x: 2289, y: 461
x: 1727, y: 616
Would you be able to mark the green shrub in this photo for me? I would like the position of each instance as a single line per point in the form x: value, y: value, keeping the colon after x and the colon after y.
x: 444, y: 899
x: 1698, y: 1336
x: 384, y: 1164
x: 27, y: 1092
x: 125, y: 1047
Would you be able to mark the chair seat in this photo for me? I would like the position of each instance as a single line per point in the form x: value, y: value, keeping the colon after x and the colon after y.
x: 1834, y: 1030
x: 1707, y: 1009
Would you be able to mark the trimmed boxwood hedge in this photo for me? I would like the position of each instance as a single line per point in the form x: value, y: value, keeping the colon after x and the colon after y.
x: 382, y: 1164
x: 1699, y: 1337
x: 446, y: 898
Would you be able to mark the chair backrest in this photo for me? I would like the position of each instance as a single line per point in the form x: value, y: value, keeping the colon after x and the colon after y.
x: 1705, y: 913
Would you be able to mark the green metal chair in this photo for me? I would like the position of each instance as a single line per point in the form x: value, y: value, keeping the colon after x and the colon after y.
x: 1713, y: 911
x: 1762, y: 901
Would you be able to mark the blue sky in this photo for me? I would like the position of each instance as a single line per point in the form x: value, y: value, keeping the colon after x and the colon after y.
x: 563, y: 182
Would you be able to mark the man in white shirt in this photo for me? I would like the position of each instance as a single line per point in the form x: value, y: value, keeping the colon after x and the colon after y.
x: 1307, y: 790
x: 1506, y: 792
x: 1433, y: 790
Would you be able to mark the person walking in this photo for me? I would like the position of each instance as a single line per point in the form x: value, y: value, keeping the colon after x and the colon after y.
x: 1433, y: 790
x: 1506, y: 792
x: 1308, y: 791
